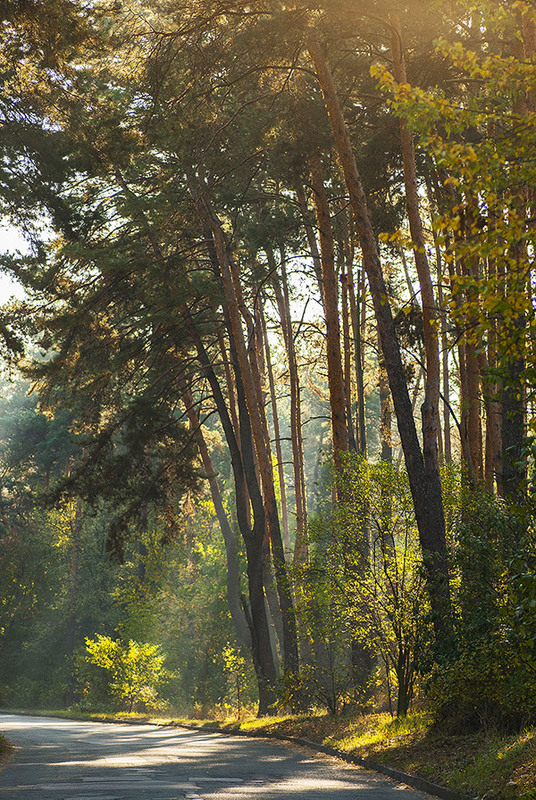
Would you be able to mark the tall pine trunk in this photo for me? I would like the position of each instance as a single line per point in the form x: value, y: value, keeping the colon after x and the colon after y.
x: 280, y: 286
x: 424, y: 483
x: 277, y: 433
x: 430, y: 407
x: 259, y: 428
x: 331, y: 312
x: 231, y: 549
x: 253, y: 537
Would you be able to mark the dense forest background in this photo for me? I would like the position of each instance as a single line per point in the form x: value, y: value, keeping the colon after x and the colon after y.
x: 267, y: 429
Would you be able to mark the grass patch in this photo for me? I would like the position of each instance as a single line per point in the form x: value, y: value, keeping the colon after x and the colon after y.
x: 6, y: 751
x: 487, y: 765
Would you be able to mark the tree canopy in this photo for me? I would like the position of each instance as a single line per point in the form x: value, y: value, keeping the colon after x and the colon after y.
x: 279, y: 290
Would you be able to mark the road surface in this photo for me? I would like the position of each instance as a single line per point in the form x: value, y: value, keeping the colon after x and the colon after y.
x: 67, y: 760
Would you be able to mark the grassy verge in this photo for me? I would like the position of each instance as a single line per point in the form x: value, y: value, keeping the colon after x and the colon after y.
x: 6, y: 751
x: 486, y: 765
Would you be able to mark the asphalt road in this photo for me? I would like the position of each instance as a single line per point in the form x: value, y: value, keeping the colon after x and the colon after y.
x: 66, y: 760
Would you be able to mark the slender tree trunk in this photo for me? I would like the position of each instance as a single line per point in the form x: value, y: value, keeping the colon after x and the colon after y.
x: 473, y: 420
x: 347, y: 350
x: 283, y: 306
x: 277, y: 436
x: 74, y: 591
x: 386, y: 435
x: 471, y: 269
x: 492, y: 460
x: 231, y: 549
x: 445, y: 359
x: 273, y: 611
x: 275, y: 619
x: 141, y: 546
x: 492, y: 442
x: 253, y: 398
x: 301, y: 546
x: 424, y: 483
x: 430, y: 407
x: 331, y: 312
x: 355, y: 317
x: 311, y: 237
x: 253, y: 538
x: 231, y: 394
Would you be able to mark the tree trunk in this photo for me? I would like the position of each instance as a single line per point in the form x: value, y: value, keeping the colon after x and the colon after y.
x: 424, y: 483
x: 74, y: 589
x: 331, y: 312
x: 231, y: 394
x: 253, y: 538
x: 447, y: 450
x: 231, y: 549
x: 259, y: 428
x: 355, y: 317
x: 513, y: 463
x: 386, y: 435
x: 311, y: 237
x: 348, y: 371
x: 277, y: 436
x: 141, y: 546
x: 430, y: 407
x: 283, y: 305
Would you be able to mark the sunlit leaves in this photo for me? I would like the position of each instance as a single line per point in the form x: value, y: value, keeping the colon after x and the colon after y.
x: 479, y: 142
x: 135, y: 668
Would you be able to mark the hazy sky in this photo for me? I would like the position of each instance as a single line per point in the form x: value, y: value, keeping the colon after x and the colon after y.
x: 10, y: 241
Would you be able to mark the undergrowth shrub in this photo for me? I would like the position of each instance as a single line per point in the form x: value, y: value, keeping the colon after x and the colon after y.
x: 489, y: 680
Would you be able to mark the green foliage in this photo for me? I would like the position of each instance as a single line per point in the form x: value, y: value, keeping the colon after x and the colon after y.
x: 480, y: 147
x: 102, y: 146
x: 365, y: 583
x: 235, y: 667
x: 135, y: 669
x: 491, y: 679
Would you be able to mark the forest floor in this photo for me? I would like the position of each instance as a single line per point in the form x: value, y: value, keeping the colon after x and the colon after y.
x: 487, y: 765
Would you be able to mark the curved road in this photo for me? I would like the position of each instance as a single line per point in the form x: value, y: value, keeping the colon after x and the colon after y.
x: 68, y: 760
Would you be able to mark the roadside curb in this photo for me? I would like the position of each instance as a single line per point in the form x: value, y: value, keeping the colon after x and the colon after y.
x: 414, y: 781
x: 421, y: 784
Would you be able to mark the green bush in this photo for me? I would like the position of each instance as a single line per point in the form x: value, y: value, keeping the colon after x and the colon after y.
x: 133, y: 672
x: 490, y: 678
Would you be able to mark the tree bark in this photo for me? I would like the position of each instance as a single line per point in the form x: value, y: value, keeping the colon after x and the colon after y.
x: 253, y: 538
x: 310, y: 234
x: 386, y: 435
x: 331, y: 312
x: 447, y: 450
x: 355, y: 317
x: 74, y: 590
x: 283, y: 306
x: 424, y: 483
x: 430, y: 407
x: 231, y: 549
x: 347, y: 350
x: 255, y: 407
x: 277, y: 436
